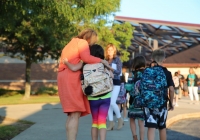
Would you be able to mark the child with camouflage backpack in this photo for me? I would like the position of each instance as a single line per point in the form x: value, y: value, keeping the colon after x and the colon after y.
x: 155, y: 115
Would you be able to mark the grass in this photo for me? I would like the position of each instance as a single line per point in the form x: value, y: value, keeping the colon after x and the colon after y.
x: 9, y: 131
x: 18, y: 99
x: 11, y: 97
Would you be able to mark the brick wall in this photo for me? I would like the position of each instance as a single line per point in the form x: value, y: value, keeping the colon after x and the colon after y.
x: 12, y: 75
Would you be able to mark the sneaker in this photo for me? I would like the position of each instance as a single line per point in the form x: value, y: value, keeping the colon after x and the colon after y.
x: 125, y: 119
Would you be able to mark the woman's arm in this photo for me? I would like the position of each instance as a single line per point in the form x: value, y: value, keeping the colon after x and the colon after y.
x: 111, y: 74
x: 107, y: 65
x: 73, y: 67
x: 84, y: 53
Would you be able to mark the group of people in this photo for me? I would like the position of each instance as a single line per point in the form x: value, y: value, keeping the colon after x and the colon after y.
x: 184, y: 85
x: 152, y: 118
x: 81, y: 50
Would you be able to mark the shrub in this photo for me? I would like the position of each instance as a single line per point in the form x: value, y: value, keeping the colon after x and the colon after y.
x: 47, y: 90
x: 6, y: 92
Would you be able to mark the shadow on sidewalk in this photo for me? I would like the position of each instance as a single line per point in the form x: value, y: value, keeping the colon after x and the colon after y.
x: 2, y: 114
x: 174, y: 135
x: 50, y: 124
x: 187, y: 129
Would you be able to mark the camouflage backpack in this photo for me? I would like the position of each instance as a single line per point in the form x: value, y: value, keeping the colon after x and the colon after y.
x: 153, y: 88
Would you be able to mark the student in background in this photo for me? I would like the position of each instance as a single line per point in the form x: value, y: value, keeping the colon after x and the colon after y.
x: 185, y: 87
x: 181, y: 79
x: 192, y: 86
x: 134, y: 114
x: 121, y: 99
x: 176, y: 87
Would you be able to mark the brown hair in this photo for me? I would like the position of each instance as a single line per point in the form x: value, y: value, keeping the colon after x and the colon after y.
x: 106, y: 51
x: 176, y: 74
x: 138, y: 62
x: 89, y: 35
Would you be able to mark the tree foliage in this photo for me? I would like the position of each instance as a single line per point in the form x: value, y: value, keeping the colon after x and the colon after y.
x: 36, y: 29
x: 120, y: 34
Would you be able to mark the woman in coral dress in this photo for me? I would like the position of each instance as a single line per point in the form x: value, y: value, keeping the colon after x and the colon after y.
x: 73, y: 101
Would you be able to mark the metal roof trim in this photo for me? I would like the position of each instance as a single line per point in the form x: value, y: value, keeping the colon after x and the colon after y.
x: 162, y: 22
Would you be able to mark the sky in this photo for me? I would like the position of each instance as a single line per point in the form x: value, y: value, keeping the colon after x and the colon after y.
x: 187, y: 11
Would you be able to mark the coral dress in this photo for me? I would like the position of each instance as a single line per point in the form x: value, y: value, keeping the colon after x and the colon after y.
x: 69, y: 84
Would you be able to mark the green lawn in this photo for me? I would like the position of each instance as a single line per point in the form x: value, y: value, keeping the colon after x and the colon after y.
x: 12, y: 97
x: 43, y: 95
x: 18, y: 99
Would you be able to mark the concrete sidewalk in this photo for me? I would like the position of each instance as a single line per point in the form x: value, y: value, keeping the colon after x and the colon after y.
x: 50, y: 121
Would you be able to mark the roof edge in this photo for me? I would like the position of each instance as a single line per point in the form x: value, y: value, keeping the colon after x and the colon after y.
x: 182, y: 65
x: 163, y: 22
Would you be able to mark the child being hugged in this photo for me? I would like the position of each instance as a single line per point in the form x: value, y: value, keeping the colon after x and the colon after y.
x: 99, y: 105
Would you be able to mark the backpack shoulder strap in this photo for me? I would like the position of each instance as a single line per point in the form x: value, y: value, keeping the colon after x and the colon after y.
x: 138, y: 75
x: 153, y: 63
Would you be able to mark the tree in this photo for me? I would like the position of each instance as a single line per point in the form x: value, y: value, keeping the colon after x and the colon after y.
x: 36, y: 29
x: 33, y: 30
x: 120, y: 34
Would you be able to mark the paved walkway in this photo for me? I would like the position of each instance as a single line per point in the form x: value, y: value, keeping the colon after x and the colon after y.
x: 50, y: 121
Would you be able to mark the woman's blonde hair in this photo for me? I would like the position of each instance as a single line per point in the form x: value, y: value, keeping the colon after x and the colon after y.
x: 89, y: 35
x: 106, y: 51
x: 191, y: 70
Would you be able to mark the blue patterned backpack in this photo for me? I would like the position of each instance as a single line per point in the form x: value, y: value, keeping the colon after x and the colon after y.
x: 138, y: 101
x: 121, y: 99
x: 153, y: 88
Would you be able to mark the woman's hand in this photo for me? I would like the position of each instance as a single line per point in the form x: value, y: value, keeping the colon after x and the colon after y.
x: 73, y: 67
x: 64, y: 61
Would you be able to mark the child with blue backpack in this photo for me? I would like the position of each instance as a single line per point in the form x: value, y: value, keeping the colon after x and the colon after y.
x: 155, y: 115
